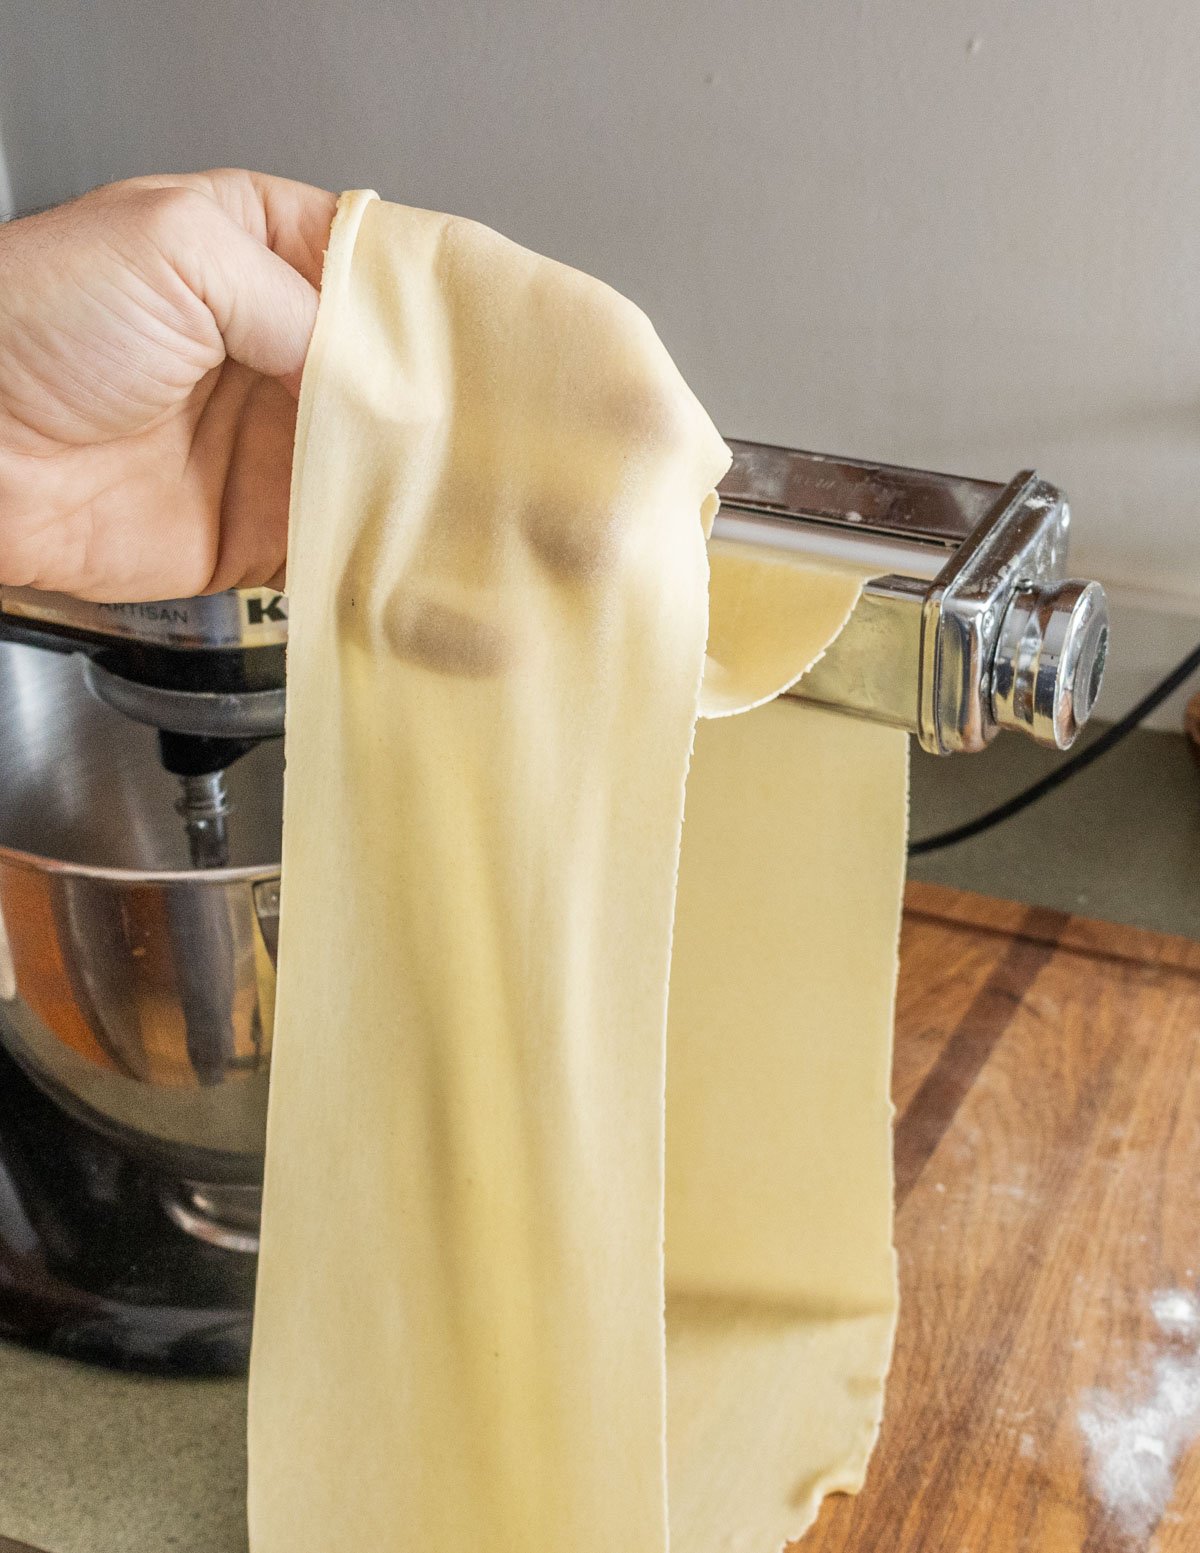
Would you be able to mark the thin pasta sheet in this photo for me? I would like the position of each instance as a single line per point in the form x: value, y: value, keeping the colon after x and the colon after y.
x: 481, y: 1135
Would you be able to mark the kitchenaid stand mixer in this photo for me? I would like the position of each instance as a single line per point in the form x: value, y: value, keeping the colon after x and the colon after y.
x: 140, y: 794
x: 140, y: 802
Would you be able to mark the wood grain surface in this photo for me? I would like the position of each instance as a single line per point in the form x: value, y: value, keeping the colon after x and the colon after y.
x: 1045, y: 1396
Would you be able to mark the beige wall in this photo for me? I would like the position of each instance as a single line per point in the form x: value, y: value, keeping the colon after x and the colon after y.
x: 961, y: 234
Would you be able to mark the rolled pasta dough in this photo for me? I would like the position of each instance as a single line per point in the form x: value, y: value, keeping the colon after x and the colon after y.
x: 498, y: 581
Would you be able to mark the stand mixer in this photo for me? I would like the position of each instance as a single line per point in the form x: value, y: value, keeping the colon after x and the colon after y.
x: 140, y: 804
x: 136, y: 983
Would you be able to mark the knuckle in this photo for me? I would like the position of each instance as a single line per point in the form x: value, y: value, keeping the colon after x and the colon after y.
x: 166, y: 212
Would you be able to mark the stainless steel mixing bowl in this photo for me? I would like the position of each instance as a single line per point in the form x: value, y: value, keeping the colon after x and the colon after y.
x: 137, y: 991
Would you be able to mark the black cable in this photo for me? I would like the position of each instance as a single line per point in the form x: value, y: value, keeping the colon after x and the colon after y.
x: 1069, y: 768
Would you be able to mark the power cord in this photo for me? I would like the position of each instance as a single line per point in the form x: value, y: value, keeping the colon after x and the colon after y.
x: 1070, y: 767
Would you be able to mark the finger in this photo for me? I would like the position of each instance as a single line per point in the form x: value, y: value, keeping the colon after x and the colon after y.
x: 263, y: 307
x: 292, y: 218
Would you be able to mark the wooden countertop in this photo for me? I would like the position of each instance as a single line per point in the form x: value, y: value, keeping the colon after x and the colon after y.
x: 1045, y: 1396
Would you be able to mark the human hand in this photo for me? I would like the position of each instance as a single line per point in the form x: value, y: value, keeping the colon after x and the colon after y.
x: 152, y: 336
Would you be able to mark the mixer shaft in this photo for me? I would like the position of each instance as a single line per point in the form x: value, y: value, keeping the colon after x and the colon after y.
x: 204, y: 805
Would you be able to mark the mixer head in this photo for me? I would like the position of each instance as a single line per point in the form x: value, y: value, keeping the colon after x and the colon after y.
x: 207, y: 673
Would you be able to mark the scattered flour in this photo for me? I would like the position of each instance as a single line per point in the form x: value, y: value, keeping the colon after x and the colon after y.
x: 1177, y: 1312
x: 1135, y: 1444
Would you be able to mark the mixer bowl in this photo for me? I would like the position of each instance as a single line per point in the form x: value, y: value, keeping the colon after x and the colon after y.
x: 137, y: 991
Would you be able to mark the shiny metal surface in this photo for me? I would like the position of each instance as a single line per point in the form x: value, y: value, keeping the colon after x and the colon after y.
x: 246, y: 617
x: 137, y: 991
x: 885, y: 499
x: 827, y: 541
x: 203, y: 805
x: 1021, y: 541
x: 969, y: 626
x: 1050, y: 661
x: 870, y: 669
x: 974, y: 646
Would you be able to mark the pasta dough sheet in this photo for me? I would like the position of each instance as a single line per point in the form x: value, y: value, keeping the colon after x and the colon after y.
x: 498, y: 580
x: 780, y: 1272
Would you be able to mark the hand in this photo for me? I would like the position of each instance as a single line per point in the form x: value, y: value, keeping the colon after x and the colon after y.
x: 152, y: 336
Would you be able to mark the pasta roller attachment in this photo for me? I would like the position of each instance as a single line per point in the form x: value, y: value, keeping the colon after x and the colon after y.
x: 970, y: 625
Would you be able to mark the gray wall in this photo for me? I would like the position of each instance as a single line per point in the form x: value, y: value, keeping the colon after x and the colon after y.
x: 961, y: 234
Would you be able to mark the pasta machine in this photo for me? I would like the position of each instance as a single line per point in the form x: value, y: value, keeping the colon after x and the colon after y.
x: 136, y: 953
x: 970, y: 624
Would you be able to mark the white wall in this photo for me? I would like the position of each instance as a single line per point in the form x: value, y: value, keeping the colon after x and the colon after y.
x: 964, y: 233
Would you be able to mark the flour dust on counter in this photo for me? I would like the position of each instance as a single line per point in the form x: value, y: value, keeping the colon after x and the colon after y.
x: 481, y: 1133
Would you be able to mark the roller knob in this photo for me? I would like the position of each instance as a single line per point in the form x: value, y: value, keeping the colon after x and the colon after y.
x: 1049, y: 660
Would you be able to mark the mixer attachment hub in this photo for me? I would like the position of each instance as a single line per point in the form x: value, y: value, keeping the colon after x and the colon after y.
x: 204, y: 806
